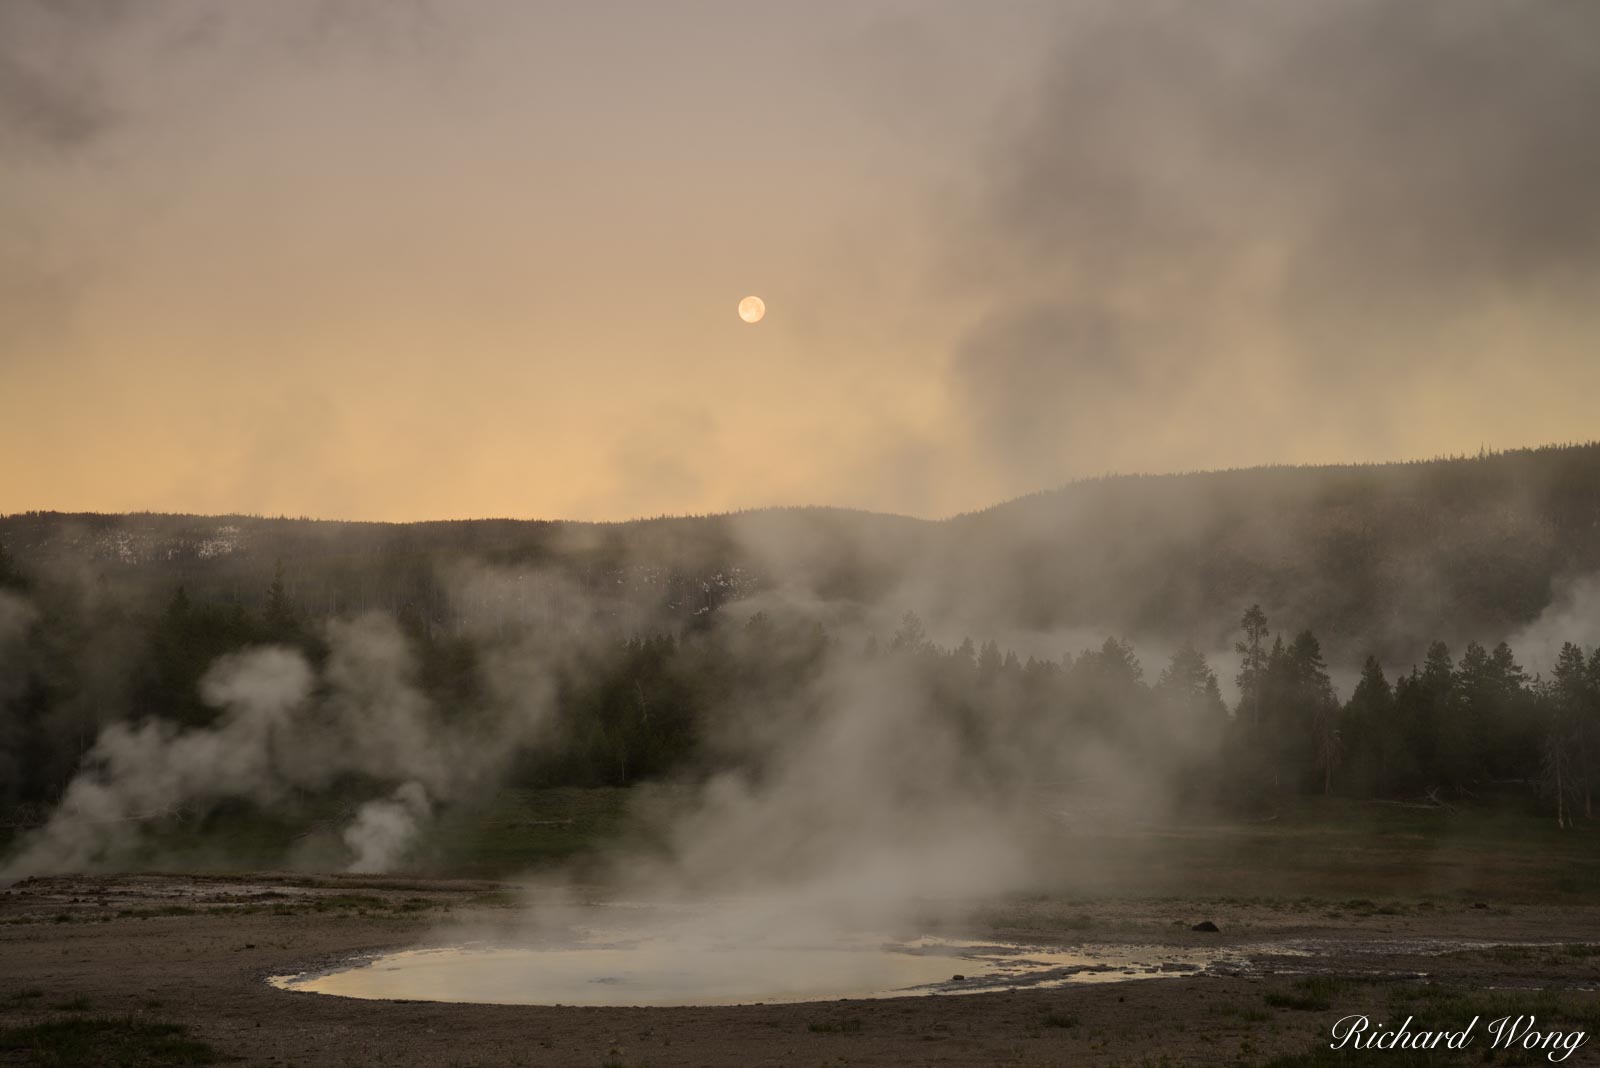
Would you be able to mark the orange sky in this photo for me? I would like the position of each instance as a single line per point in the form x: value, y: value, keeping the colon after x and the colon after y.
x: 400, y: 262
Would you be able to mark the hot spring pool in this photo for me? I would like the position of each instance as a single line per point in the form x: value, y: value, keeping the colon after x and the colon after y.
x: 666, y: 971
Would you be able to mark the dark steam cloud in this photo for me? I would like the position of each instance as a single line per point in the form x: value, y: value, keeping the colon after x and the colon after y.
x: 1003, y: 249
x: 52, y: 91
x: 1201, y: 199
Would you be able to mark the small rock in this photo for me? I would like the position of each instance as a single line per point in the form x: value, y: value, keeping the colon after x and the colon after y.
x: 957, y: 978
x: 1206, y: 926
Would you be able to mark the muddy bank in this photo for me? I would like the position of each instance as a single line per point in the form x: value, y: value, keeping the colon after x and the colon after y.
x: 197, y: 951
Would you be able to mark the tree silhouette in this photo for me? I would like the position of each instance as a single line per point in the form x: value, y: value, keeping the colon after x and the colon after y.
x: 1252, y: 668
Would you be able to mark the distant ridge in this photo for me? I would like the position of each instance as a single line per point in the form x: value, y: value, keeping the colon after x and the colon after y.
x: 1372, y: 556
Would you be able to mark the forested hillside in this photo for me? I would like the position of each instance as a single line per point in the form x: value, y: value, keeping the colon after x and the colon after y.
x: 1377, y: 558
x: 567, y: 653
x: 1374, y: 558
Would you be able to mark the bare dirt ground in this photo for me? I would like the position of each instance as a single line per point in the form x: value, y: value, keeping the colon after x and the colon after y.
x: 197, y: 950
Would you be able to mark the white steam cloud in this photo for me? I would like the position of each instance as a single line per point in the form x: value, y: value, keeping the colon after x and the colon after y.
x: 383, y: 829
x: 284, y: 727
x: 1572, y: 616
x: 135, y: 772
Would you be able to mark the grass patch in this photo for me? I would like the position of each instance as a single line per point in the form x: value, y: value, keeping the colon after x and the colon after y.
x: 1364, y: 907
x: 1510, y: 954
x: 1248, y: 1015
x: 1320, y: 854
x: 158, y: 910
x: 347, y: 901
x: 1361, y: 859
x: 1320, y: 1056
x: 1437, y: 1006
x: 90, y: 1042
x: 1059, y: 1019
x: 496, y: 899
x: 77, y: 1004
x: 851, y: 1026
x: 1311, y: 994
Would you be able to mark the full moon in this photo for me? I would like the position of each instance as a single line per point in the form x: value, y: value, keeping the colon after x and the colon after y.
x: 751, y: 309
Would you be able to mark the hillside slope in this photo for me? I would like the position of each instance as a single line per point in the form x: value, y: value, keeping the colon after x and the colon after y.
x: 1373, y: 557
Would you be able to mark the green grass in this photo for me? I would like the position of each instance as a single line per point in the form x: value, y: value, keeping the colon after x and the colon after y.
x: 1440, y: 1007
x: 1320, y: 1056
x: 1366, y: 861
x: 1246, y: 1014
x: 21, y: 999
x: 103, y: 1042
x: 1059, y: 1019
x: 851, y: 1026
x: 1312, y: 994
x: 159, y: 910
x: 1372, y: 861
x: 520, y: 829
x: 512, y: 831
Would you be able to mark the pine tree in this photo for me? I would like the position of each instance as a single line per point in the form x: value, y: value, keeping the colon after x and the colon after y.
x: 1371, y: 732
x: 1511, y: 743
x: 1118, y: 665
x: 10, y: 577
x: 1275, y: 695
x: 1464, y: 732
x: 1316, y: 705
x: 1189, y: 686
x: 966, y: 653
x: 989, y: 661
x: 1590, y: 728
x: 1312, y: 726
x: 1435, y: 699
x: 912, y: 636
x: 1576, y: 711
x: 279, y: 616
x: 1566, y: 698
x: 1252, y: 668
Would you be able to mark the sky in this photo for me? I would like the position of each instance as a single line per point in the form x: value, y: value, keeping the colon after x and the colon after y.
x: 398, y: 261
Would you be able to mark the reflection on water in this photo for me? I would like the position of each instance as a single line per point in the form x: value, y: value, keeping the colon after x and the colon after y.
x: 668, y: 971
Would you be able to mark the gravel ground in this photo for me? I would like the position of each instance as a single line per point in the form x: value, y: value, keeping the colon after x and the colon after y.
x: 196, y: 950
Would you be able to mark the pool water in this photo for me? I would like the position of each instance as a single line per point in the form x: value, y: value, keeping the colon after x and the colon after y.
x: 666, y: 970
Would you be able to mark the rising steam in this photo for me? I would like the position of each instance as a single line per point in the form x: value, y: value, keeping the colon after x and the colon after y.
x: 285, y: 726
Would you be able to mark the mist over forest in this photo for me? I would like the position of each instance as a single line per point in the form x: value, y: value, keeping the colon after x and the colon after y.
x: 1419, y: 631
x: 678, y: 534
